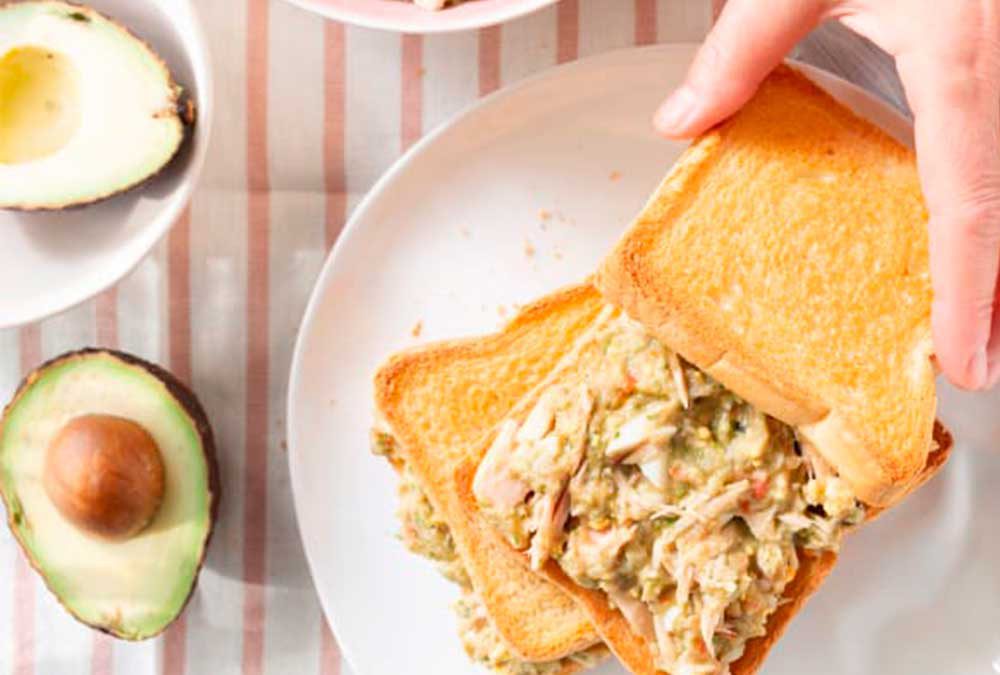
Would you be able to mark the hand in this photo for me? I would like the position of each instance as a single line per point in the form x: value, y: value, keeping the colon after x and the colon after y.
x: 948, y: 57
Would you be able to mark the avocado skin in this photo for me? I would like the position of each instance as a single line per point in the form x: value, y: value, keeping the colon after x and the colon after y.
x: 185, y: 109
x: 192, y: 406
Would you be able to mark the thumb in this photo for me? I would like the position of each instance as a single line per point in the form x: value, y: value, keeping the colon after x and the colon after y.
x: 956, y: 106
x: 748, y: 41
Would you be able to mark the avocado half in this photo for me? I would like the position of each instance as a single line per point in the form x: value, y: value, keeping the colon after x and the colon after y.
x: 132, y: 587
x: 87, y: 110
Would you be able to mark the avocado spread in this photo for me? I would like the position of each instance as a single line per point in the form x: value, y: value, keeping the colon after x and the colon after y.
x: 648, y: 480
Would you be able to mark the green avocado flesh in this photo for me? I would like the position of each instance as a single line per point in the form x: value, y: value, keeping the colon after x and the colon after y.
x: 87, y: 110
x: 133, y: 588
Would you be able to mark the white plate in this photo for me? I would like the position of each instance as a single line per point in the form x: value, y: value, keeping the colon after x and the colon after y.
x: 442, y: 239
x: 52, y: 261
x: 405, y: 17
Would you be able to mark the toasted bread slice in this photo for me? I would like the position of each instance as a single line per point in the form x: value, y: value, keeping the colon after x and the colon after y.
x: 437, y: 401
x: 786, y: 255
x: 631, y: 649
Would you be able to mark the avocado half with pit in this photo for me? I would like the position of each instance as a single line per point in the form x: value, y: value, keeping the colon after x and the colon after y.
x: 108, y: 473
x: 87, y: 110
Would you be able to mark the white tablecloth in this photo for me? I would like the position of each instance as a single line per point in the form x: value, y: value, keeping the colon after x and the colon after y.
x: 310, y: 113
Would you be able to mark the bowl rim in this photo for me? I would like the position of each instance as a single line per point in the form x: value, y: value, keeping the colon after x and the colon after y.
x: 183, y: 17
x: 401, y: 16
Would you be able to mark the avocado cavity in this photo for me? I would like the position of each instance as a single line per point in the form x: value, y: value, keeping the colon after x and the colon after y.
x: 39, y: 103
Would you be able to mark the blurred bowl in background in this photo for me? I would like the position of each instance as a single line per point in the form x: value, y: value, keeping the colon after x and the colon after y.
x: 50, y: 261
x: 406, y: 17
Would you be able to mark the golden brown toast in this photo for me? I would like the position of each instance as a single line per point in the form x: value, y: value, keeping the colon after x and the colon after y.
x: 437, y: 401
x: 785, y: 254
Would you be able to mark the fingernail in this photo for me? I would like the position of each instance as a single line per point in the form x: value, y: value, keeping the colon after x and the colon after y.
x: 978, y: 369
x: 676, y: 112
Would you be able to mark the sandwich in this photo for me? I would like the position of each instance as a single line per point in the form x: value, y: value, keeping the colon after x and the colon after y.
x: 750, y: 380
x: 759, y: 384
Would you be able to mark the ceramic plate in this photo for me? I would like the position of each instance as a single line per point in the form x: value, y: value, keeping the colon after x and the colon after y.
x: 520, y: 195
x: 52, y: 261
x: 405, y: 17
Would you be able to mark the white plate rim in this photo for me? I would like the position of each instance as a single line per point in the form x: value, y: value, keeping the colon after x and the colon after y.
x: 353, y: 227
x: 435, y: 21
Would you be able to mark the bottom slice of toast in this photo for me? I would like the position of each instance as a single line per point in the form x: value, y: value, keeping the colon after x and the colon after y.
x: 436, y: 402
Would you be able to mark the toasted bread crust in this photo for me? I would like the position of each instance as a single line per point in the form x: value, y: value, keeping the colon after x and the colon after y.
x: 835, y: 340
x: 438, y: 400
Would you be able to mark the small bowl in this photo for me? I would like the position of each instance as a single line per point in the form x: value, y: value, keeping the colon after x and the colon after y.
x: 50, y: 261
x: 405, y: 17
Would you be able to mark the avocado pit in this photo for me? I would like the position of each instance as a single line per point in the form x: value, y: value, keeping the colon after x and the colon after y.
x: 105, y: 475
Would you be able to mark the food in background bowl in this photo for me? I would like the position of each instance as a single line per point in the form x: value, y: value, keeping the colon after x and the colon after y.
x: 87, y: 109
x: 436, y: 4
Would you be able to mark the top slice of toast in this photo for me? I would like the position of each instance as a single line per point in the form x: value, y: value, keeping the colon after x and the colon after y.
x: 437, y: 401
x: 631, y: 648
x: 786, y: 255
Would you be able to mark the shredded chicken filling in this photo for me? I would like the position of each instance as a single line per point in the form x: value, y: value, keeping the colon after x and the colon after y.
x: 423, y: 532
x: 648, y: 480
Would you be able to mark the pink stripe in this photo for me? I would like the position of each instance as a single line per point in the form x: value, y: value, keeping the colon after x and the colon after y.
x: 179, y: 320
x: 567, y: 31
x: 489, y: 60
x: 329, y: 653
x: 102, y: 656
x: 179, y: 296
x: 24, y: 616
x: 336, y: 213
x: 24, y: 579
x: 645, y: 22
x: 257, y: 364
x: 107, y: 318
x: 333, y: 131
x: 413, y: 90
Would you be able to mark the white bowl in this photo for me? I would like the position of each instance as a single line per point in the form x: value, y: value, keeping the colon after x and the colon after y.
x: 51, y: 261
x: 406, y: 17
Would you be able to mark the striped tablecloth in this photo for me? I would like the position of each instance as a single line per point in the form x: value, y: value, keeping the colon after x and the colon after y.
x: 310, y: 113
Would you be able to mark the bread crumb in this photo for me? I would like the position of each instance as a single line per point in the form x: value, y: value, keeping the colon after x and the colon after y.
x: 502, y: 311
x: 529, y: 249
x: 557, y: 254
x: 417, y: 329
x: 544, y: 214
x: 615, y: 176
